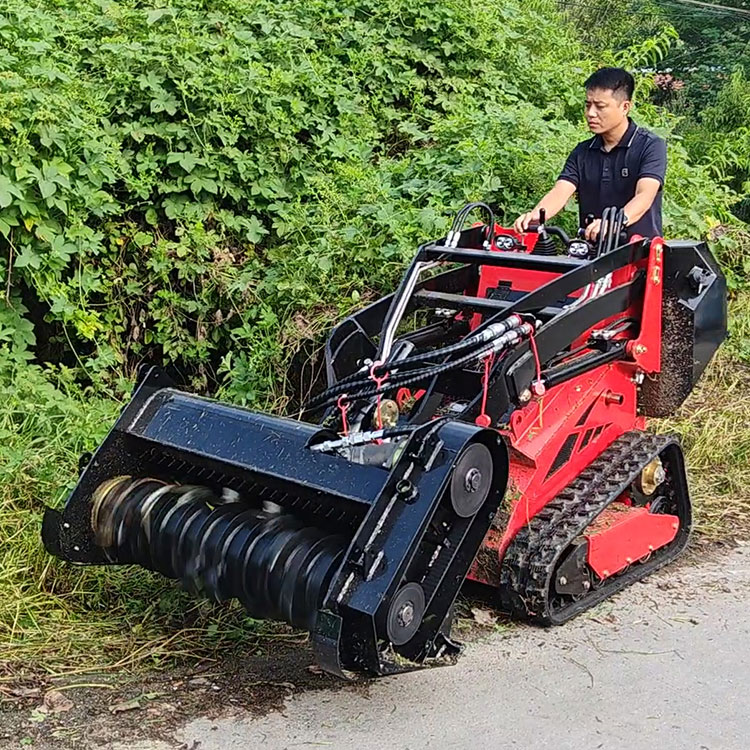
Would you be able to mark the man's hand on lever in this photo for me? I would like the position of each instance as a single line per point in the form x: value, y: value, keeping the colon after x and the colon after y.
x: 553, y: 203
x: 524, y: 220
x: 593, y: 230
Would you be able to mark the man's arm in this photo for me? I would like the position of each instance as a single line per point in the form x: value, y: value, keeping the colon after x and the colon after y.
x: 646, y: 190
x: 651, y: 173
x: 552, y: 203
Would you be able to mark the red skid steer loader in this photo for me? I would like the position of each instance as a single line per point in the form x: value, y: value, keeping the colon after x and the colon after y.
x: 486, y: 420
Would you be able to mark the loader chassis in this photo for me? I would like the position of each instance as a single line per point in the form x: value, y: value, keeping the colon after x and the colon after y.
x: 487, y: 420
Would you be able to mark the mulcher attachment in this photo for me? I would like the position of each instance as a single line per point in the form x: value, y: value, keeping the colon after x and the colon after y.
x: 236, y: 504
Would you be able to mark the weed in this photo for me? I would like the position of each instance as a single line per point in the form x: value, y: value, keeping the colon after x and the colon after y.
x: 61, y: 618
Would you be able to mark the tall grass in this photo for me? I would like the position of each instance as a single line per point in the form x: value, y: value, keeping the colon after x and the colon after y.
x: 60, y: 618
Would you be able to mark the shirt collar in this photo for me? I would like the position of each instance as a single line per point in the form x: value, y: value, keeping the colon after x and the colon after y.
x: 625, y: 142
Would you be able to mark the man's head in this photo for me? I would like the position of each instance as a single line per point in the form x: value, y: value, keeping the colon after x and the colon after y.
x: 609, y: 98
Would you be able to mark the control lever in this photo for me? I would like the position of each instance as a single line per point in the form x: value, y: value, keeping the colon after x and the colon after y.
x: 545, y: 245
x: 582, y: 230
x: 539, y: 226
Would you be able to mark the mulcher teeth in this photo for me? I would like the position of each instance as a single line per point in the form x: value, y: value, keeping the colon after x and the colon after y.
x: 277, y: 566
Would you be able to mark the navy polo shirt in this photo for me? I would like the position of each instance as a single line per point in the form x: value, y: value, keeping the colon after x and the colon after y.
x: 608, y: 178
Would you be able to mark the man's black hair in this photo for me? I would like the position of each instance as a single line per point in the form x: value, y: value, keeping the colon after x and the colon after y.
x: 616, y: 80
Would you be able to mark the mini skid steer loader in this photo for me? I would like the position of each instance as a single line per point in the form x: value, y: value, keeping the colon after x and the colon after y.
x: 486, y: 420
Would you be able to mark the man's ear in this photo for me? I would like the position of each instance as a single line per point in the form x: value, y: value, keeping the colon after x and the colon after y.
x: 627, y: 105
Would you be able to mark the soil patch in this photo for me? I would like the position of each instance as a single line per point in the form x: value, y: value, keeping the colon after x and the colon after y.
x: 92, y: 711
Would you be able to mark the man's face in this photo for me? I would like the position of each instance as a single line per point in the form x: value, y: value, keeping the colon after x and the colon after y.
x: 605, y: 109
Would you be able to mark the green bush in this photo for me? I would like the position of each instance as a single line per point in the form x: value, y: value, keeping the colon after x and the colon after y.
x: 208, y: 184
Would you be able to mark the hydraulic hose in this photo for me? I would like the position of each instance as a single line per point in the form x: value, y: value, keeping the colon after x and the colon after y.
x: 409, y: 378
x: 473, y: 341
x: 460, y: 218
x: 470, y: 342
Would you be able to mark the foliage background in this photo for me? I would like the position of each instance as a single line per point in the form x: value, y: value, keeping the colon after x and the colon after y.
x: 209, y: 185
x: 702, y: 77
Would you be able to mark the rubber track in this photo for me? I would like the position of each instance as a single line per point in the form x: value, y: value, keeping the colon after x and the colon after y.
x: 531, y: 559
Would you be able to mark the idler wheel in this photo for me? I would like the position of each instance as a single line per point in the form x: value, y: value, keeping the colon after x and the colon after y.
x: 471, y: 480
x: 405, y: 614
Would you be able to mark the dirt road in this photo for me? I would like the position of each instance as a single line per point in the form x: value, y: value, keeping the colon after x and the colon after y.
x: 664, y: 665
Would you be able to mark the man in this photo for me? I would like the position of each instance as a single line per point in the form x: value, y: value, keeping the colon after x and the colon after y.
x: 623, y: 165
